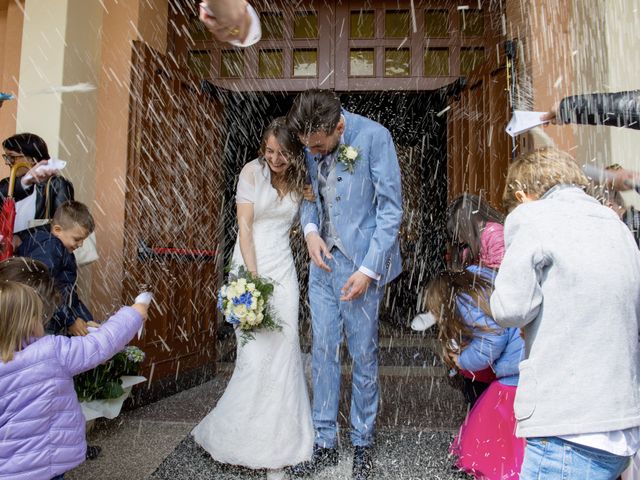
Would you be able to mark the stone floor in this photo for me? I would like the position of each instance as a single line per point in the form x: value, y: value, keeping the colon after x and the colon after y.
x: 153, y: 443
x: 419, y: 411
x: 400, y: 454
x: 137, y: 442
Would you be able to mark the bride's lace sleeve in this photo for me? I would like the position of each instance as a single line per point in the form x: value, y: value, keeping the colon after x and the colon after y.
x: 246, y: 190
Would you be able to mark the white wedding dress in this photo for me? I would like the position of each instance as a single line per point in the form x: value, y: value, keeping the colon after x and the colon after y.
x: 263, y: 419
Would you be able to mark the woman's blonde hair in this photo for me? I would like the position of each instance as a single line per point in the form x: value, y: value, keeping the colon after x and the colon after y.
x: 535, y: 173
x: 21, y: 317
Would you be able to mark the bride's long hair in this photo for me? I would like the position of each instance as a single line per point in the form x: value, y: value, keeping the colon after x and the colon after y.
x: 296, y: 172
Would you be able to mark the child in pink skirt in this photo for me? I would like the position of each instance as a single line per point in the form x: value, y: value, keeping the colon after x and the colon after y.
x: 486, y: 445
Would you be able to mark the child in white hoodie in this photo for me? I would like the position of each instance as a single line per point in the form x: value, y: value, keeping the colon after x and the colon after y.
x: 570, y: 278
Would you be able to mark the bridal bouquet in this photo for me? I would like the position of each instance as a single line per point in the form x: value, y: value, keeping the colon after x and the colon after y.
x: 244, y: 301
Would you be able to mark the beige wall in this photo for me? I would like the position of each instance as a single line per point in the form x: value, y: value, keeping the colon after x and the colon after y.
x: 66, y: 52
x: 603, y: 35
x: 41, y: 66
x: 590, y: 57
x: 78, y: 118
x: 578, y: 46
x: 622, y: 32
x: 61, y: 46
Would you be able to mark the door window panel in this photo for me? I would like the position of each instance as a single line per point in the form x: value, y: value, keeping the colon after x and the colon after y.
x: 361, y: 62
x: 397, y: 62
x: 305, y: 63
x: 270, y: 64
x: 396, y: 23
x: 363, y: 24
x: 305, y: 25
x: 436, y: 62
x: 436, y: 23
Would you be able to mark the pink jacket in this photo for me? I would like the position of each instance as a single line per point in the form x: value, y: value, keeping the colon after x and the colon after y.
x: 492, y: 245
x: 42, y: 429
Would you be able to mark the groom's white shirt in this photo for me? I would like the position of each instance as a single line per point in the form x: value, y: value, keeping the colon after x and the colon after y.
x: 312, y: 227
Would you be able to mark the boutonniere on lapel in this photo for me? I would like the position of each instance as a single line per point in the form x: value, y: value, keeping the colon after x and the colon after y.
x: 348, y: 156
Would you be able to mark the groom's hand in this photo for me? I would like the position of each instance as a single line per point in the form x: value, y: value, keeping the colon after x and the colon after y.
x: 356, y: 285
x: 317, y: 248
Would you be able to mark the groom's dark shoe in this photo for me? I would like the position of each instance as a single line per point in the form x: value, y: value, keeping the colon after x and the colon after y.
x: 362, y: 463
x: 321, y: 458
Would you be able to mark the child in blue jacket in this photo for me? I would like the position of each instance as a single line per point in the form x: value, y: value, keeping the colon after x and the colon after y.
x: 486, y: 445
x: 72, y: 223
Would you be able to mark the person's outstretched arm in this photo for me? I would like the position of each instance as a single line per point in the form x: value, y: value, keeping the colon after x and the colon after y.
x: 620, y: 109
x: 79, y: 354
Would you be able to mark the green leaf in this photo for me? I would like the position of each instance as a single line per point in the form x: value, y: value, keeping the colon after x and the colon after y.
x: 112, y: 389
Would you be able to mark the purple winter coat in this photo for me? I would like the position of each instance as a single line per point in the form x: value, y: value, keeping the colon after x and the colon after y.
x: 42, y: 429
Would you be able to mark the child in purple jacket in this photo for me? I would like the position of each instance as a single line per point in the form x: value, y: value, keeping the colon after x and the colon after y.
x: 42, y: 429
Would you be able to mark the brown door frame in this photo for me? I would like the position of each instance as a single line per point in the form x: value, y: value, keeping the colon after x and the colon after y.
x: 333, y: 48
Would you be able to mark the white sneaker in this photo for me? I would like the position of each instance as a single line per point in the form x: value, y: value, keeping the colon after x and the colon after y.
x: 423, y: 321
x: 276, y: 474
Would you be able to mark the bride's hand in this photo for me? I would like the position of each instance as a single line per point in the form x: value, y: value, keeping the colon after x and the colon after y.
x: 307, y: 193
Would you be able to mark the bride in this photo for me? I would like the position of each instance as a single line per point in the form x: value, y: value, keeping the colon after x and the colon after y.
x: 263, y: 419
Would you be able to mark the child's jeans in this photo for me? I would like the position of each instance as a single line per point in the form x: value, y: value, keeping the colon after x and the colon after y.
x: 554, y: 458
x: 59, y: 477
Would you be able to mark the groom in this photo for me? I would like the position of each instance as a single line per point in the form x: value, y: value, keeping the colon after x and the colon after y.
x: 351, y: 232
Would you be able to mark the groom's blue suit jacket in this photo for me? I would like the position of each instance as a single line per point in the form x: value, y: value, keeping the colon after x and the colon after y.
x: 367, y: 210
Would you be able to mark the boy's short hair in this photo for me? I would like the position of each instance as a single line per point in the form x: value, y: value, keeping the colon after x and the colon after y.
x: 35, y: 274
x: 535, y: 173
x: 72, y: 213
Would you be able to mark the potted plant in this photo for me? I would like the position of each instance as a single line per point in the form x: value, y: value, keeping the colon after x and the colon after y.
x: 103, y: 390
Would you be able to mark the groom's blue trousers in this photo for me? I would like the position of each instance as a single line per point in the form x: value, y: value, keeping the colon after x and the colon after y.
x: 359, y: 319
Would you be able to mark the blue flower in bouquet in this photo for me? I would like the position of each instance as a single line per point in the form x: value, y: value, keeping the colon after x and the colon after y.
x: 233, y: 320
x: 244, y: 299
x: 220, y: 301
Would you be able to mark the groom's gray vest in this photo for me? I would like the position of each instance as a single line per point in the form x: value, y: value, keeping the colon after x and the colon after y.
x: 327, y: 188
